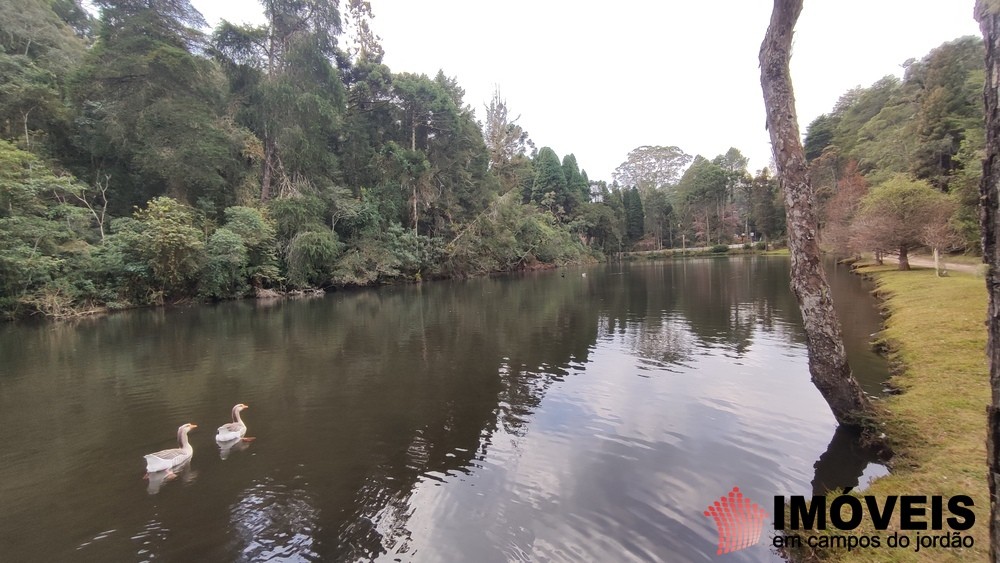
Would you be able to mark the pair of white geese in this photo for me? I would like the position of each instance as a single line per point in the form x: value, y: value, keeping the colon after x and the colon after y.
x: 165, y: 460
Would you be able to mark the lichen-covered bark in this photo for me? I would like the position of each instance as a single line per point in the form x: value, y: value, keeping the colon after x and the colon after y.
x: 988, y: 15
x: 827, y: 359
x: 904, y: 258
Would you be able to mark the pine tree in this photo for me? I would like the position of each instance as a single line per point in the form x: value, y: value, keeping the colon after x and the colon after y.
x: 577, y: 187
x: 635, y: 217
x: 549, y: 187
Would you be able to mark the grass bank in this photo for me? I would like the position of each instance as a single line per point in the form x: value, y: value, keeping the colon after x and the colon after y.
x: 936, y: 339
x: 719, y: 250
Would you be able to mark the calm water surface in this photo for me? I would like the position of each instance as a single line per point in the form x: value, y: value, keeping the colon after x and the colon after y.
x: 545, y: 417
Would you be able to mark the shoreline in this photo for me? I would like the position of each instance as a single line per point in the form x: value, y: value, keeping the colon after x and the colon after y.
x: 90, y: 310
x: 934, y: 339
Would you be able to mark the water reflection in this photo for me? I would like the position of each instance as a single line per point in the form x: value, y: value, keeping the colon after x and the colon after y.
x: 847, y: 464
x: 150, y: 538
x: 227, y: 448
x: 272, y: 521
x: 531, y: 417
x: 157, y: 479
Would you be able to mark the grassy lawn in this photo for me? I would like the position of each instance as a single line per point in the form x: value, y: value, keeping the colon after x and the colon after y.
x: 962, y: 259
x: 937, y: 425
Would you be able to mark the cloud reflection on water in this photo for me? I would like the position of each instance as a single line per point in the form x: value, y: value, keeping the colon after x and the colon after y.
x: 272, y: 521
x: 490, y: 420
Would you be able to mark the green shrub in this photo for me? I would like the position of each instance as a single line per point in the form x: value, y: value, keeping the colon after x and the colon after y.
x: 540, y: 236
x: 224, y: 275
x: 760, y: 245
x: 122, y: 275
x: 258, y: 234
x: 720, y: 249
x: 293, y: 215
x: 311, y: 258
x: 158, y: 253
x: 170, y: 245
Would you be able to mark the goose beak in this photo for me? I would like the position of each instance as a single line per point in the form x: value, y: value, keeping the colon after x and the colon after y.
x: 193, y: 426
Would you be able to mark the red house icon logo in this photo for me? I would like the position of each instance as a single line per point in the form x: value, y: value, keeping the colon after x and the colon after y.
x: 738, y: 520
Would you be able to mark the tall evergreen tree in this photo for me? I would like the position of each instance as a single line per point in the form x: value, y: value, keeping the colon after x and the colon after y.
x: 369, y: 122
x: 950, y: 107
x: 635, y: 217
x: 151, y: 111
x: 549, y: 187
x: 577, y: 187
x: 290, y: 92
x: 459, y: 160
x: 767, y: 212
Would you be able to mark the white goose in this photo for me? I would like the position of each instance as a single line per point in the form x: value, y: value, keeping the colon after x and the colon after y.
x: 235, y: 429
x: 168, y: 459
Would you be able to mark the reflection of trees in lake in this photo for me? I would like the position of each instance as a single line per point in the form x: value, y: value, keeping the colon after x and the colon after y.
x: 461, y: 360
x: 664, y: 341
x: 396, y: 386
x: 714, y: 302
x: 726, y: 300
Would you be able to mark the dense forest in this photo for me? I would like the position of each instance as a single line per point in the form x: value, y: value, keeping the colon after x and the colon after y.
x: 145, y: 159
x: 896, y: 165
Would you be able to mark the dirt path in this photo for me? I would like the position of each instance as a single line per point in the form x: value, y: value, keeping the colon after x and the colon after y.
x: 928, y: 262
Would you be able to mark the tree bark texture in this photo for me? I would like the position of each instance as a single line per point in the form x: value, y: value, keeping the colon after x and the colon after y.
x: 267, y: 174
x: 988, y: 15
x: 904, y: 258
x: 827, y: 359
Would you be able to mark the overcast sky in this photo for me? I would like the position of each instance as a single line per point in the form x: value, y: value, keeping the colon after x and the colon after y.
x: 599, y: 79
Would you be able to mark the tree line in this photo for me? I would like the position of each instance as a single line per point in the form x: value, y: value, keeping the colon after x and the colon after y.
x: 896, y: 165
x: 144, y: 161
x: 672, y: 199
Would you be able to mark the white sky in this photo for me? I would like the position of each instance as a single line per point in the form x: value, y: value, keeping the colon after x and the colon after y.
x: 599, y: 79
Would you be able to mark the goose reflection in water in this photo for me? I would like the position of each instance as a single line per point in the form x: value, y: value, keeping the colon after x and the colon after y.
x: 237, y: 445
x: 160, y: 478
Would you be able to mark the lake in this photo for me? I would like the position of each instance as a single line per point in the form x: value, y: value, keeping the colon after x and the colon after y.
x: 577, y: 414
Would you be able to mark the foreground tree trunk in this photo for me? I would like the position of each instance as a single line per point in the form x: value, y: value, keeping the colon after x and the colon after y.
x: 827, y: 358
x: 988, y: 15
x: 904, y: 258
